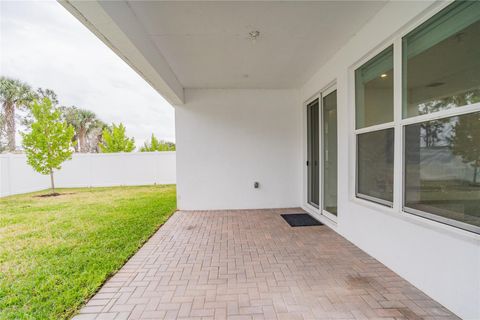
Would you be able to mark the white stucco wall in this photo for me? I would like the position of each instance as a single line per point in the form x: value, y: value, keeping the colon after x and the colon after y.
x: 442, y: 261
x: 228, y: 139
x: 89, y: 170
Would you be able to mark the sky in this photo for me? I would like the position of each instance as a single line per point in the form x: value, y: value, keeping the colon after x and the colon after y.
x: 42, y: 44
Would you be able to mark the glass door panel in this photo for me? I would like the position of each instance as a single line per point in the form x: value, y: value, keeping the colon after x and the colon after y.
x: 329, y: 143
x: 313, y: 146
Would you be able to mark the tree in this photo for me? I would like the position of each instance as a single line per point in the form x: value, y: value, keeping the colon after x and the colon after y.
x: 116, y: 140
x: 95, y: 136
x: 466, y: 141
x: 432, y: 130
x: 49, y: 142
x: 69, y: 114
x: 27, y: 119
x: 85, y: 122
x: 86, y: 125
x: 13, y: 94
x: 47, y: 93
x: 157, y: 145
x: 3, y: 145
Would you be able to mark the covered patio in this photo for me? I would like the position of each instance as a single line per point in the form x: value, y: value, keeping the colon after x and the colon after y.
x: 250, y: 264
x: 361, y: 113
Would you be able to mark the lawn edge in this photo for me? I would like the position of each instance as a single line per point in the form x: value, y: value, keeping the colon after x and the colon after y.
x: 74, y: 312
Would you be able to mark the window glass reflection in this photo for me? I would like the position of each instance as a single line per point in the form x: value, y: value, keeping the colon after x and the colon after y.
x: 442, y: 168
x: 441, y: 64
x: 375, y: 165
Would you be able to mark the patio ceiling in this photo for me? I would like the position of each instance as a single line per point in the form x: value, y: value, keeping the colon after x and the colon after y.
x: 197, y: 44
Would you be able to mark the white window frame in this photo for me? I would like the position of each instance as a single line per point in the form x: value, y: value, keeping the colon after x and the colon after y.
x: 399, y: 123
x: 374, y: 128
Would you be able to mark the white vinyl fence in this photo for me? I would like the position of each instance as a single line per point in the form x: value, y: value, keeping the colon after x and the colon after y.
x: 89, y: 170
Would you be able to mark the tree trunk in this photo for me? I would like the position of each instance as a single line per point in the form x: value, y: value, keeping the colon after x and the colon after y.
x: 75, y: 142
x: 82, y: 136
x: 52, y: 182
x: 9, y: 108
x: 475, y: 169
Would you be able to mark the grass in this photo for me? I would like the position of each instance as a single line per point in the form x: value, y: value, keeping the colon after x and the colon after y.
x: 56, y: 252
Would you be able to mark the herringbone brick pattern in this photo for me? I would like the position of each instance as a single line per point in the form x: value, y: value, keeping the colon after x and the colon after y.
x: 251, y: 264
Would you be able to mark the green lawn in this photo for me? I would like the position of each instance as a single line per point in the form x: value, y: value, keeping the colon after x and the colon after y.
x: 56, y: 252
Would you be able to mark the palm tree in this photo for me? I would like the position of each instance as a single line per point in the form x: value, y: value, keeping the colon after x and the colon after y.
x: 69, y: 115
x: 13, y: 94
x: 2, y: 132
x: 94, y: 136
x: 83, y: 121
x: 86, y: 121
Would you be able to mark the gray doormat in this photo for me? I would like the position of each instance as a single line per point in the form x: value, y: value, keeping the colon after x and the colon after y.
x: 301, y: 220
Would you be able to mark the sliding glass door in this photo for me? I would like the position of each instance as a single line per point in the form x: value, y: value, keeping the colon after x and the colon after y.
x: 322, y: 153
x: 313, y: 145
x: 329, y: 156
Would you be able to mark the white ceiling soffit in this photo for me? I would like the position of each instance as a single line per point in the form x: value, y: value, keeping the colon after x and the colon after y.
x: 202, y: 44
x: 207, y: 43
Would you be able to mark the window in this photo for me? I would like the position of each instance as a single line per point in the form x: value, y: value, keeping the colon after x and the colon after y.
x: 375, y: 166
x: 374, y: 90
x: 374, y: 107
x: 441, y: 74
x: 438, y: 117
x: 441, y: 61
x: 442, y: 168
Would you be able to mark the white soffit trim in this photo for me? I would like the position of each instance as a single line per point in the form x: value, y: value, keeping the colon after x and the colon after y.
x: 136, y: 50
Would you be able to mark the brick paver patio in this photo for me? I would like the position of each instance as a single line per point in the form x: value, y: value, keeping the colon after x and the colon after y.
x: 251, y: 264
